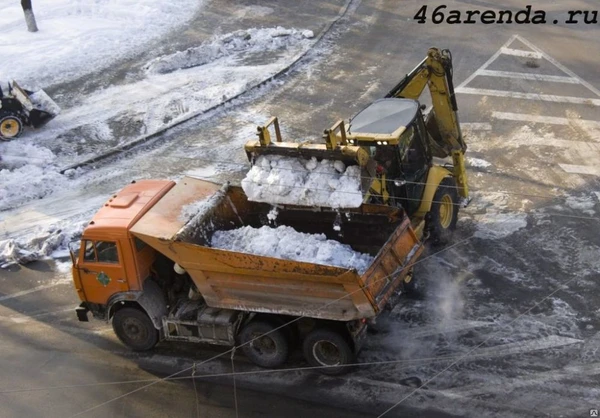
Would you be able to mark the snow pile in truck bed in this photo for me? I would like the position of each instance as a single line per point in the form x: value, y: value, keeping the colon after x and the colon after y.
x: 287, y: 243
x: 293, y: 181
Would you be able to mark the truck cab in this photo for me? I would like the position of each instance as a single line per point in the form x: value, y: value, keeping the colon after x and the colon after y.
x: 110, y: 263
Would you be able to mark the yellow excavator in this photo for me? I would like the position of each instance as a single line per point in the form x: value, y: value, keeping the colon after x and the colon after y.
x: 396, y: 145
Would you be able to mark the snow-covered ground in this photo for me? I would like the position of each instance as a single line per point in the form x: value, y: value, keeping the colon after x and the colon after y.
x: 168, y: 89
x: 29, y: 165
x: 76, y: 37
x: 277, y: 179
x: 287, y: 243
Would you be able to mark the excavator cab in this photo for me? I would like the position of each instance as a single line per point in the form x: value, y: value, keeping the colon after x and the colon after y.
x: 393, y: 132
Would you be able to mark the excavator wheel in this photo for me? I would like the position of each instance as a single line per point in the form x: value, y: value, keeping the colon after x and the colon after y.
x: 10, y: 126
x: 444, y: 212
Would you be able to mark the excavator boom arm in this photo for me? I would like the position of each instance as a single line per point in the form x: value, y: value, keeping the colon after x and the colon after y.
x: 445, y: 136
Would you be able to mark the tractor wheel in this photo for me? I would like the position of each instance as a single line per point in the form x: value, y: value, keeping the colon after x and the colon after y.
x: 135, y: 329
x: 263, y: 345
x: 10, y: 126
x: 329, y: 350
x: 444, y: 212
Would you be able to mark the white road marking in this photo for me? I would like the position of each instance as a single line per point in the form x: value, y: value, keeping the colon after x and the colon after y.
x: 487, y: 63
x: 558, y: 65
x: 520, y: 53
x: 581, y: 169
x: 521, y: 117
x: 476, y: 126
x: 35, y: 289
x: 581, y: 146
x: 21, y: 319
x: 529, y: 96
x: 528, y: 76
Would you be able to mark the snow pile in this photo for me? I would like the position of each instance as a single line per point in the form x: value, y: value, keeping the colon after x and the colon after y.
x: 250, y: 40
x: 286, y: 243
x: 277, y: 179
x: 40, y: 245
x: 478, y: 162
x: 26, y: 172
x: 76, y: 37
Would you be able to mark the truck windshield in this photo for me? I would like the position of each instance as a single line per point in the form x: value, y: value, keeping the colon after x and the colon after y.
x: 74, y: 250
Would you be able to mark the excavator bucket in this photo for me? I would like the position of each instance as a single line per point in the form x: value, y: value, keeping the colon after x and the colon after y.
x: 36, y: 105
x: 336, y: 147
x: 329, y: 174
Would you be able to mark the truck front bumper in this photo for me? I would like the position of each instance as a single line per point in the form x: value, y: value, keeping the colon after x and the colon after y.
x: 81, y: 312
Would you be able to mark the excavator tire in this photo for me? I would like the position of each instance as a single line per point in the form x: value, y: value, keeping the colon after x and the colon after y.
x: 444, y: 212
x: 10, y: 126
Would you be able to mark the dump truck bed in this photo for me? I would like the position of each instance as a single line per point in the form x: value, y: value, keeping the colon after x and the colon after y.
x: 248, y: 282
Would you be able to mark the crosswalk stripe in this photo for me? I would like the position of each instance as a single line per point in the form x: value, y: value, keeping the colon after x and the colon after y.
x: 476, y: 126
x: 529, y: 96
x: 529, y: 76
x: 522, y: 117
x: 591, y: 170
x: 558, y: 65
x: 487, y: 63
x: 520, y: 53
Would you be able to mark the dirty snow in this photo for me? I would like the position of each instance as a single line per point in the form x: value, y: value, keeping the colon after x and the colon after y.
x: 286, y: 243
x: 76, y: 37
x: 494, y: 225
x: 584, y: 204
x: 278, y: 179
x: 175, y: 87
x: 40, y: 244
x: 250, y: 40
x: 478, y: 162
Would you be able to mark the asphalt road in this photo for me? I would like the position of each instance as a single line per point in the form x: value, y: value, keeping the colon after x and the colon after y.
x: 506, y: 322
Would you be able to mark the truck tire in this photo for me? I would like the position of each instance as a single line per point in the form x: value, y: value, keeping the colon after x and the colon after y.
x: 262, y: 345
x: 326, y: 348
x: 135, y: 329
x: 444, y: 212
x: 10, y: 126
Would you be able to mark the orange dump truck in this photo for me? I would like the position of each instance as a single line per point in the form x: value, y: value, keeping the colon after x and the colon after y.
x: 156, y: 277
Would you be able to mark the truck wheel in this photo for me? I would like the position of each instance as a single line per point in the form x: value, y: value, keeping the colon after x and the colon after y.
x: 135, y: 329
x: 326, y: 348
x: 263, y: 346
x: 444, y: 212
x: 10, y: 126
